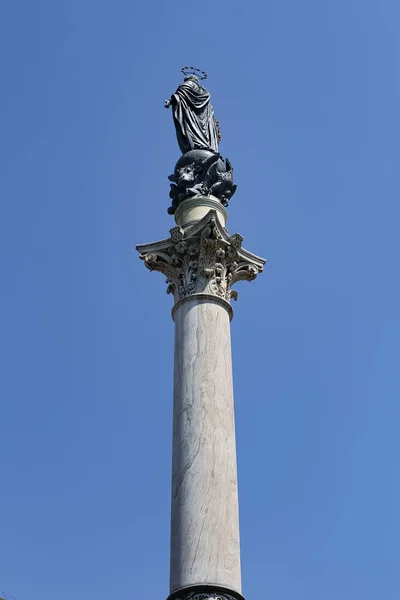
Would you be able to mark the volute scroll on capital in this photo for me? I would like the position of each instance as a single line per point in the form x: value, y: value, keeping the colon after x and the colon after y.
x: 202, y: 259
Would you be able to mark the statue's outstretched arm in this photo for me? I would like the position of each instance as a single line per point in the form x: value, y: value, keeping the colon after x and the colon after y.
x: 171, y: 101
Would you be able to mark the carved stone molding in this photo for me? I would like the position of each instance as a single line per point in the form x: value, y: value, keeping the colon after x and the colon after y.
x: 202, y: 259
x: 206, y: 596
x: 205, y: 592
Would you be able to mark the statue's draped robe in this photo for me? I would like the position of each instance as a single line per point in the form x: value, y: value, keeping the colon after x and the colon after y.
x: 194, y: 118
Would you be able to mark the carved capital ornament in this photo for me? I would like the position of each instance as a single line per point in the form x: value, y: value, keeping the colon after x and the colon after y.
x: 202, y: 259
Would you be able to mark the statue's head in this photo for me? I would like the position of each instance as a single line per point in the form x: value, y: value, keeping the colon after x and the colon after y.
x: 192, y: 78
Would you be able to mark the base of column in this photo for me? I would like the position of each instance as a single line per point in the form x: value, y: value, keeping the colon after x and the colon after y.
x: 205, y: 592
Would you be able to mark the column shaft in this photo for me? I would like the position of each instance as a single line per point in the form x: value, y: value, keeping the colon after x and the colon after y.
x: 204, y: 522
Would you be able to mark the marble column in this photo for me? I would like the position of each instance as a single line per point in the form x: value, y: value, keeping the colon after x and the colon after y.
x: 202, y: 262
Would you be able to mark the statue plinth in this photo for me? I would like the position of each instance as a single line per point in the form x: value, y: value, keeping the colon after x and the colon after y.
x: 201, y: 173
x: 194, y: 209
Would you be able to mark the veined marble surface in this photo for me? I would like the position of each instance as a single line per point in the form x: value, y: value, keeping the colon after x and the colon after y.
x: 204, y: 522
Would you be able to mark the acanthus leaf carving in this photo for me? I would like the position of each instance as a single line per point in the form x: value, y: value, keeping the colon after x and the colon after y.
x: 202, y: 259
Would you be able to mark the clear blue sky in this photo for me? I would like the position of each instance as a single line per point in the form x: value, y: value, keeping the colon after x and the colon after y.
x: 308, y: 96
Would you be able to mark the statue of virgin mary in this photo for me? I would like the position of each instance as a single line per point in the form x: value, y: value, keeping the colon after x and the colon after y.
x: 195, y: 124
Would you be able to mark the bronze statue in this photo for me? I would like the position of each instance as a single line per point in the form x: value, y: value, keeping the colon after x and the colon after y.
x: 193, y: 114
x: 200, y: 170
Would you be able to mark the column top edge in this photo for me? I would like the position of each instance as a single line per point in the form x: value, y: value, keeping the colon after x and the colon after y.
x: 203, y: 299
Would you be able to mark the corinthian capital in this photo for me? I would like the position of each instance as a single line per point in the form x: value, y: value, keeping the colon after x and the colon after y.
x: 202, y: 258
